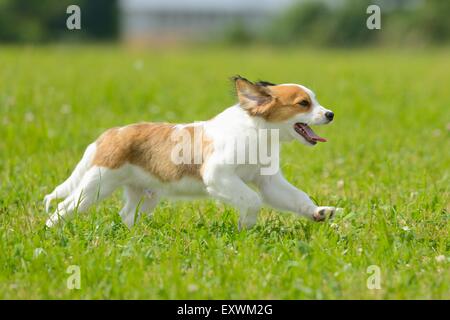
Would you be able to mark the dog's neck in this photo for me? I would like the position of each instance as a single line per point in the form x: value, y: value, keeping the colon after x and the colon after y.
x: 236, y: 117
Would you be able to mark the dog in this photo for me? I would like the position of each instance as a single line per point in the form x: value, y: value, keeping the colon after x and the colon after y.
x: 141, y: 159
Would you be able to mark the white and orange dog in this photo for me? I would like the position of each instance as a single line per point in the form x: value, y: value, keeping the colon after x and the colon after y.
x: 140, y: 158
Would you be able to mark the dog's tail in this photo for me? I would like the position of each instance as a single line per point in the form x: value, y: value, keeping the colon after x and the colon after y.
x: 68, y: 186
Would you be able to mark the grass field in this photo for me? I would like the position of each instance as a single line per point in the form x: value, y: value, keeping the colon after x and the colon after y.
x: 386, y: 163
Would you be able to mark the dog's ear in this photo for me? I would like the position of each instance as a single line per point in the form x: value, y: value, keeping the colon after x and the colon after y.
x: 251, y: 95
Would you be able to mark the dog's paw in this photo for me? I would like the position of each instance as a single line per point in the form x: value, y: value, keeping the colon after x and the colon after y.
x: 49, y: 223
x: 48, y: 202
x: 246, y: 224
x: 324, y: 213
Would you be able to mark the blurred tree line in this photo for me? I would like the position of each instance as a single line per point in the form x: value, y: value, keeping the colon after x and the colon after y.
x: 45, y: 20
x: 308, y: 22
x: 343, y: 23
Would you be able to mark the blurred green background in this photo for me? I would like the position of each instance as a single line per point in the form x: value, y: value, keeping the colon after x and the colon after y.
x: 385, y: 162
x: 312, y: 23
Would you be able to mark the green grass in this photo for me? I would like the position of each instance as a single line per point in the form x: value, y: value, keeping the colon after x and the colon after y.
x: 387, y: 163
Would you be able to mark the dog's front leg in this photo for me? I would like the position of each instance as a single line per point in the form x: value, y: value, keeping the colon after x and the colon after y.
x: 280, y: 194
x: 225, y: 185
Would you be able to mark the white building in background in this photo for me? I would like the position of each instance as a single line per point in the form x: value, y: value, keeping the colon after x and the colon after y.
x: 166, y: 20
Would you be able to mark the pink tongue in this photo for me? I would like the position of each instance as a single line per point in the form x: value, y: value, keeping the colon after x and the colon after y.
x: 312, y: 134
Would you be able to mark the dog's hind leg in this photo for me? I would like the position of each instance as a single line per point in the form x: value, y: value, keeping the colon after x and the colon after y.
x: 137, y: 201
x: 97, y: 184
x: 68, y: 186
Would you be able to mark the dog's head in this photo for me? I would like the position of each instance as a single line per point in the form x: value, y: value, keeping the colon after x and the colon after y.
x: 291, y: 108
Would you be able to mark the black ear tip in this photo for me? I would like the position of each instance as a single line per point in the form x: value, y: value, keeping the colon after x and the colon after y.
x: 238, y: 77
x: 263, y: 83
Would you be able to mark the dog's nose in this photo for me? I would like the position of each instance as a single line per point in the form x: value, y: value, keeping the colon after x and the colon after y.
x: 329, y: 115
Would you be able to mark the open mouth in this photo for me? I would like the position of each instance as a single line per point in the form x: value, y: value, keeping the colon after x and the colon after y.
x: 306, y: 132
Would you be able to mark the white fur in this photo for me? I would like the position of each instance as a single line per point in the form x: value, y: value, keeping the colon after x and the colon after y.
x: 227, y: 182
x: 68, y: 186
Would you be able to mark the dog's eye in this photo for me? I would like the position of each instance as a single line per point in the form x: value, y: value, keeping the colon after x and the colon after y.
x: 304, y: 103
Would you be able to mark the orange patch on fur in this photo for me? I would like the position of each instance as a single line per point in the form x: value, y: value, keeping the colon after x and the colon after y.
x: 284, y: 105
x: 148, y: 145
